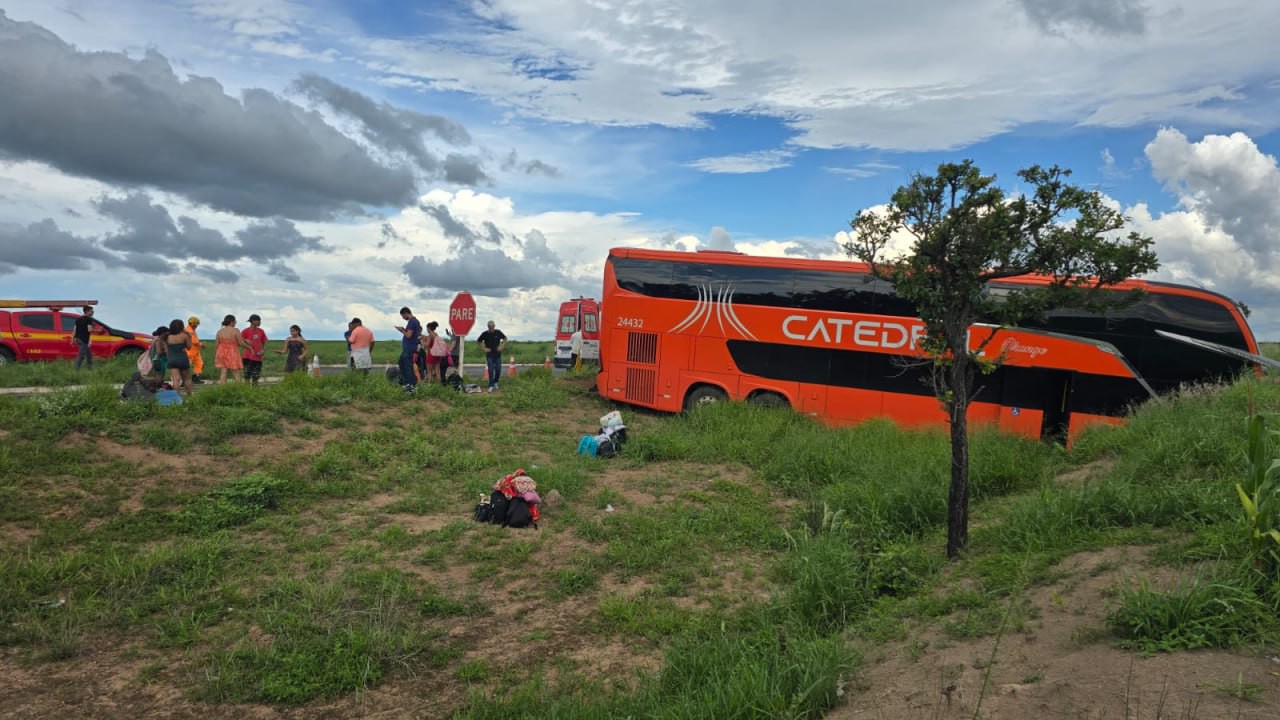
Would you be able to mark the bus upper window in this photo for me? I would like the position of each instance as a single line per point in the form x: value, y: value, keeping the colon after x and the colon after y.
x: 689, y: 281
x: 568, y: 324
x: 646, y: 277
x: 834, y: 292
x: 770, y: 287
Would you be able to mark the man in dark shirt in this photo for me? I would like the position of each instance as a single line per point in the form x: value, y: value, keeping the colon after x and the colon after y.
x: 493, y: 342
x: 84, y: 327
x: 412, y: 332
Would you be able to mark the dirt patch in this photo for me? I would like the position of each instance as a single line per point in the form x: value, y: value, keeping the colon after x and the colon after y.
x: 418, y: 524
x: 1061, y: 665
x: 1087, y: 473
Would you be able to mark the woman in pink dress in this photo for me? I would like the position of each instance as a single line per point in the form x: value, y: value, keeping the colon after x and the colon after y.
x: 226, y: 356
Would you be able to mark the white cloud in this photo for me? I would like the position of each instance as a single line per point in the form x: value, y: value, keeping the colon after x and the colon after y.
x: 720, y: 240
x: 1226, y: 236
x: 913, y: 75
x: 861, y: 171
x: 753, y: 162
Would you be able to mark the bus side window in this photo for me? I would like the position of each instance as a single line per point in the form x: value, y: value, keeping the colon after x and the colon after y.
x: 770, y: 287
x: 834, y: 292
x: 689, y: 281
x: 888, y: 303
x: 646, y: 277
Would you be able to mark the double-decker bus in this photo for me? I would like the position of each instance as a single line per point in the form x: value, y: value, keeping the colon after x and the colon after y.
x: 828, y: 339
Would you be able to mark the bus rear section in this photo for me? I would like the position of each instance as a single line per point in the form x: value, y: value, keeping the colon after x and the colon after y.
x: 578, y: 315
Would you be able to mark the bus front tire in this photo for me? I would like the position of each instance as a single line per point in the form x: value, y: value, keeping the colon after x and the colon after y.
x: 769, y: 400
x: 703, y: 395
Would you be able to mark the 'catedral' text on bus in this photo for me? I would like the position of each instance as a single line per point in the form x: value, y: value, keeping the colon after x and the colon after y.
x: 828, y: 339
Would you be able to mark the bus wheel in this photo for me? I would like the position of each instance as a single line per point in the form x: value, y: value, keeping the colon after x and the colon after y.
x: 703, y: 395
x: 130, y: 352
x: 769, y: 400
x: 6, y: 355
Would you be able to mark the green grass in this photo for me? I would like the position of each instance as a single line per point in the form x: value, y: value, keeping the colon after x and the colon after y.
x: 750, y: 552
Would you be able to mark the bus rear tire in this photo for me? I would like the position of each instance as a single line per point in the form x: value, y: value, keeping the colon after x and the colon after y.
x: 769, y: 400
x: 703, y: 395
x: 6, y: 356
x: 129, y: 353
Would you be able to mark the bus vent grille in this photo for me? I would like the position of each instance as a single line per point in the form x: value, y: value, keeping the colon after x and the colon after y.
x: 641, y: 384
x: 642, y: 347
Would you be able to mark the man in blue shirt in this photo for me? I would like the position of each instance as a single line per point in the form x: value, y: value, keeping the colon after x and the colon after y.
x: 412, y: 332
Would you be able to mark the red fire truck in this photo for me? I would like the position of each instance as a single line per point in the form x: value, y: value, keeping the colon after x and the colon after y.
x: 41, y: 330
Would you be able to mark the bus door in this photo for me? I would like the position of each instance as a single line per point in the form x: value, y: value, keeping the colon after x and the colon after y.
x: 589, y: 323
x: 1055, y: 423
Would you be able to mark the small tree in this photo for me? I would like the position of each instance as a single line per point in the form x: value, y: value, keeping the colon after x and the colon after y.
x: 966, y: 232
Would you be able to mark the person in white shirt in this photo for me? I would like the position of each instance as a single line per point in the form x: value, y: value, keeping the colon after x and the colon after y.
x: 575, y: 350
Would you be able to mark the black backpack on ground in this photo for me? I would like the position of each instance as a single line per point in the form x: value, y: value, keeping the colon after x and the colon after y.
x: 498, y: 508
x: 484, y: 510
x: 518, y: 514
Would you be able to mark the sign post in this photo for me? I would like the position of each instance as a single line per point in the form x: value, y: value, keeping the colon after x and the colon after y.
x: 462, y: 316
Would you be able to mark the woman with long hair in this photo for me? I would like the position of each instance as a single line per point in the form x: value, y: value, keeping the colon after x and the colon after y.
x: 178, y: 343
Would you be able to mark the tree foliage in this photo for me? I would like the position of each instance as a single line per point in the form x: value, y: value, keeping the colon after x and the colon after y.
x: 965, y: 232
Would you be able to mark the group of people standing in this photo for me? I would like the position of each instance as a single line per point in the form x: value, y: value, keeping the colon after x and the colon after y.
x: 177, y: 351
x: 428, y: 356
x: 425, y: 354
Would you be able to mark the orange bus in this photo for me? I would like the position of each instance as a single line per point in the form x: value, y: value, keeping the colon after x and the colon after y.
x: 829, y: 340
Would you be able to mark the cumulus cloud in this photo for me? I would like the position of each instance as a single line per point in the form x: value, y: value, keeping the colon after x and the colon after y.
x: 483, y: 271
x: 134, y: 122
x: 480, y: 261
x: 44, y: 246
x: 278, y: 269
x: 147, y: 227
x: 1223, y: 236
x: 393, y: 129
x: 720, y: 240
x: 1228, y: 181
x: 148, y: 239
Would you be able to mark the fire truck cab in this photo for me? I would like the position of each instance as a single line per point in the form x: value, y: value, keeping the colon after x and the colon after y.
x: 32, y: 330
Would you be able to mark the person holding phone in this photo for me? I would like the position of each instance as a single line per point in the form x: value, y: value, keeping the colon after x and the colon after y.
x: 411, y: 333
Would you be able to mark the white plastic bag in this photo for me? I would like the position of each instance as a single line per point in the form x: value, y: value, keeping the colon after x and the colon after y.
x: 610, y: 420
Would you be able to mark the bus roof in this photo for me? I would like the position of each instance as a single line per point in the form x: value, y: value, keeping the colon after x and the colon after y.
x: 859, y: 267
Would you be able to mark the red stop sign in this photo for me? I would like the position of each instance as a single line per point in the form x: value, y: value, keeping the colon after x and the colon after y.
x: 462, y: 313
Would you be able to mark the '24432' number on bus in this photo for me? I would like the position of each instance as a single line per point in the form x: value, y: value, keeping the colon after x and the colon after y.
x: 631, y: 322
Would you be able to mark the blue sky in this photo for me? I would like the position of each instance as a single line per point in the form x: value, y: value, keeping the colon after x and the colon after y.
x: 315, y: 161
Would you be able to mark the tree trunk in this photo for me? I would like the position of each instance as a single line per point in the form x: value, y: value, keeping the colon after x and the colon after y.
x: 958, y: 497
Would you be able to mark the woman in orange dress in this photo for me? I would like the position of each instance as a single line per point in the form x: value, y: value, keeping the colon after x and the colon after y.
x: 226, y: 355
